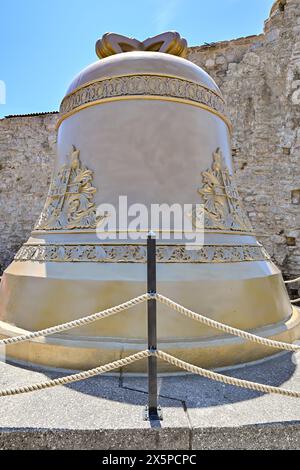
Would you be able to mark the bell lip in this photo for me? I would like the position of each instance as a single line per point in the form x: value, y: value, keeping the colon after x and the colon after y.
x: 143, y: 62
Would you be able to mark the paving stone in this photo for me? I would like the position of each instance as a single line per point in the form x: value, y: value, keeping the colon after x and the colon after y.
x: 107, y: 412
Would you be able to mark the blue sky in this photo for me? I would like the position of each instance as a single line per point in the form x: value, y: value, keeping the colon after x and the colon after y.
x: 44, y: 43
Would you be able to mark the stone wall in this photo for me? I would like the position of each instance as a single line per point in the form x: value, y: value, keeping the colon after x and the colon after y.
x: 27, y: 149
x: 260, y: 79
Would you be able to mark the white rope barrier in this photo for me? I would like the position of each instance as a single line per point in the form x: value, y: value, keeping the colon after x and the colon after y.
x: 76, y: 377
x: 76, y: 323
x: 226, y: 328
x: 143, y: 354
x: 164, y: 300
x: 292, y: 281
x: 295, y: 301
x: 225, y: 378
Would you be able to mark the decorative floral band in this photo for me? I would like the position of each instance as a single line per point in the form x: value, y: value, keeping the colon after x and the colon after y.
x: 138, y: 253
x: 144, y: 85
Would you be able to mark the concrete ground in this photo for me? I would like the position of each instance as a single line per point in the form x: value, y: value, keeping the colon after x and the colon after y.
x: 107, y: 412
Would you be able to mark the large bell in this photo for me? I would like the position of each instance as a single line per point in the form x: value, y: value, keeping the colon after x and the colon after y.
x: 145, y: 123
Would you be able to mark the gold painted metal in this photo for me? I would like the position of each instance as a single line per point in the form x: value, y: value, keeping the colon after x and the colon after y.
x: 143, y: 86
x: 134, y: 253
x: 140, y: 74
x: 142, y: 231
x: 85, y: 353
x: 145, y: 97
x: 69, y: 204
x: 223, y: 208
x: 145, y: 143
x: 169, y: 43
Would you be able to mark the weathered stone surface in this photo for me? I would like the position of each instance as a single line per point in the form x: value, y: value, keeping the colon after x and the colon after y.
x: 109, y: 439
x: 275, y: 436
x: 107, y: 412
x: 27, y: 149
x: 260, y: 79
x: 260, y: 437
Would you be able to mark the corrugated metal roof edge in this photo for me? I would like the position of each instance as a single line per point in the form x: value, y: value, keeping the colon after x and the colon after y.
x: 9, y: 116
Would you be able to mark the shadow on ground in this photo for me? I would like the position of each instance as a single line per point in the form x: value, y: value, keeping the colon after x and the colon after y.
x: 197, y: 391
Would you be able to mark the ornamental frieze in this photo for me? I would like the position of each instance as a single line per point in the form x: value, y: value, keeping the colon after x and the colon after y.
x: 138, y: 253
x: 143, y: 84
x: 222, y: 205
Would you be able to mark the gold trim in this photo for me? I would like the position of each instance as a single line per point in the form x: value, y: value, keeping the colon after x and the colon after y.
x: 164, y: 87
x: 141, y: 244
x: 159, y: 243
x: 145, y: 97
x: 91, y: 231
x: 154, y: 74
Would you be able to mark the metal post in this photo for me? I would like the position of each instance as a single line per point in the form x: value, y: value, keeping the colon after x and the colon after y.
x: 153, y: 410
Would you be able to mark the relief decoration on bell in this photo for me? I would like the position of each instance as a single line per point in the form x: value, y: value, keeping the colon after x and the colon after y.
x: 69, y: 204
x: 223, y: 208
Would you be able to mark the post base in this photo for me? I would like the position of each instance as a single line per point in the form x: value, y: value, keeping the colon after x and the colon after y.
x: 153, y: 415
